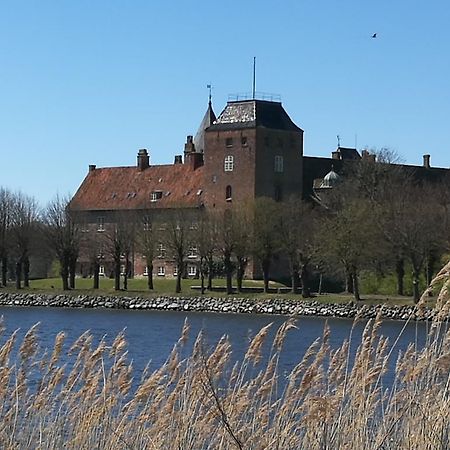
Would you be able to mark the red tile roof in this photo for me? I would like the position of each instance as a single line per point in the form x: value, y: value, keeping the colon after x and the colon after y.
x: 130, y: 188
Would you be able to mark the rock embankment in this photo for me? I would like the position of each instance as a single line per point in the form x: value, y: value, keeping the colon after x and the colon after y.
x: 215, y: 304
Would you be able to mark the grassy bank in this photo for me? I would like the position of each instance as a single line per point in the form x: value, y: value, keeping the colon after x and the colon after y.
x: 164, y: 286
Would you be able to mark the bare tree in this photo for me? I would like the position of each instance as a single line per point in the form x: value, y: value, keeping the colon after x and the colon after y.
x: 226, y: 244
x: 205, y: 235
x: 148, y: 238
x: 25, y: 218
x: 348, y: 237
x: 266, y: 235
x: 6, y: 208
x: 297, y: 235
x: 242, y: 233
x: 120, y: 239
x: 178, y: 238
x: 63, y: 237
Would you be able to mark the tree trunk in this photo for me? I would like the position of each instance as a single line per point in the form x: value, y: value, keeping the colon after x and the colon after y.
x: 72, y: 272
x: 150, y: 276
x: 416, y: 292
x: 210, y: 275
x: 64, y: 275
x: 19, y: 274
x: 202, y: 281
x: 400, y: 273
x: 304, y: 275
x: 348, y: 282
x: 96, y: 275
x: 125, y: 274
x: 26, y: 272
x: 294, y: 278
x: 266, y: 270
x: 228, y: 273
x: 179, y: 274
x: 355, y: 283
x: 242, y: 264
x: 4, y: 270
x: 117, y: 275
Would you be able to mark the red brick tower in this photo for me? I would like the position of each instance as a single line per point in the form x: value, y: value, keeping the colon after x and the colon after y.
x: 252, y: 150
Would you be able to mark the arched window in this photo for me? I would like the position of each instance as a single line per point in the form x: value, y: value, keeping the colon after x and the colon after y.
x: 229, y: 163
x: 228, y: 193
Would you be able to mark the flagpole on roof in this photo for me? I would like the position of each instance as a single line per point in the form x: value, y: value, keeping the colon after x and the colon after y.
x: 254, y: 77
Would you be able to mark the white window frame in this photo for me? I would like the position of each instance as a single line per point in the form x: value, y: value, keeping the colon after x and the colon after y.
x: 228, y: 164
x: 192, y: 270
x: 145, y: 270
x: 101, y: 270
x: 147, y: 223
x: 100, y: 223
x: 193, y: 252
x: 279, y: 164
x: 161, y: 271
x: 161, y: 250
x: 175, y: 270
x: 155, y: 196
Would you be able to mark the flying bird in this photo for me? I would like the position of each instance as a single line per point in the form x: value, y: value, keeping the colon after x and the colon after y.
x: 374, y: 35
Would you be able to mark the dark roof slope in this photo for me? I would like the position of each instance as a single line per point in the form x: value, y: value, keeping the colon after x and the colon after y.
x: 208, y: 119
x: 123, y: 188
x: 254, y: 113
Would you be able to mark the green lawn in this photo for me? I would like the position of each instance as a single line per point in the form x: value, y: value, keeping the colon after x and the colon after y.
x: 166, y: 286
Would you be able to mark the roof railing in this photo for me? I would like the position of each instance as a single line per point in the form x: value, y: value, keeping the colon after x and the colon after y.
x: 258, y: 96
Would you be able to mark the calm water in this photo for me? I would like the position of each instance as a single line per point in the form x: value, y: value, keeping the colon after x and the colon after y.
x: 152, y: 334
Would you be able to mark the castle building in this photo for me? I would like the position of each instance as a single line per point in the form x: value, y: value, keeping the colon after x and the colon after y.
x: 252, y: 149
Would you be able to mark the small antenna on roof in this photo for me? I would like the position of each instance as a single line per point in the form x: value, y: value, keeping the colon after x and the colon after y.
x: 209, y: 86
x: 254, y: 77
x: 339, y: 140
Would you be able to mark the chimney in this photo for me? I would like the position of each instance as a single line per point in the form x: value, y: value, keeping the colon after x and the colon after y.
x: 143, y: 160
x: 92, y: 167
x: 426, y: 161
x: 178, y: 159
x: 189, y: 146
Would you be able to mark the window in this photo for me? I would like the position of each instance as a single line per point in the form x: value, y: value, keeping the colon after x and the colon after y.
x: 229, y: 142
x: 192, y: 270
x: 244, y: 141
x: 228, y: 193
x: 145, y: 271
x: 101, y: 271
x: 84, y: 227
x: 147, y: 223
x: 192, y: 252
x: 278, y: 164
x: 229, y: 163
x: 161, y: 251
x: 175, y: 271
x: 101, y: 224
x: 161, y: 271
x: 155, y: 196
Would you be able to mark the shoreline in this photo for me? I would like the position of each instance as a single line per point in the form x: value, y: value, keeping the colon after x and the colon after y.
x: 279, y: 306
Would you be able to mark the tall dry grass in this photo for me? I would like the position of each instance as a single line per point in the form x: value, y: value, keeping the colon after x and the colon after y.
x: 331, y: 399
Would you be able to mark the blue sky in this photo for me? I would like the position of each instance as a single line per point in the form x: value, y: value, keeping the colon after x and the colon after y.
x: 91, y: 82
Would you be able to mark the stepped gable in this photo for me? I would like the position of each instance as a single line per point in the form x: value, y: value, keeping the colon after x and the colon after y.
x: 208, y: 119
x: 254, y: 113
x: 127, y: 188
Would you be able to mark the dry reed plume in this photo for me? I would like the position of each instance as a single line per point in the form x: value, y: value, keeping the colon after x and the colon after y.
x: 330, y: 400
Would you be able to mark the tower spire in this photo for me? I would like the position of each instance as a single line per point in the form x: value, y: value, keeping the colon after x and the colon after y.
x: 209, y: 86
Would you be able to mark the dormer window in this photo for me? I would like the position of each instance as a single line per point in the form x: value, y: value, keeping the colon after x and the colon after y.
x: 229, y: 163
x: 155, y: 196
x: 229, y: 142
x: 278, y: 167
